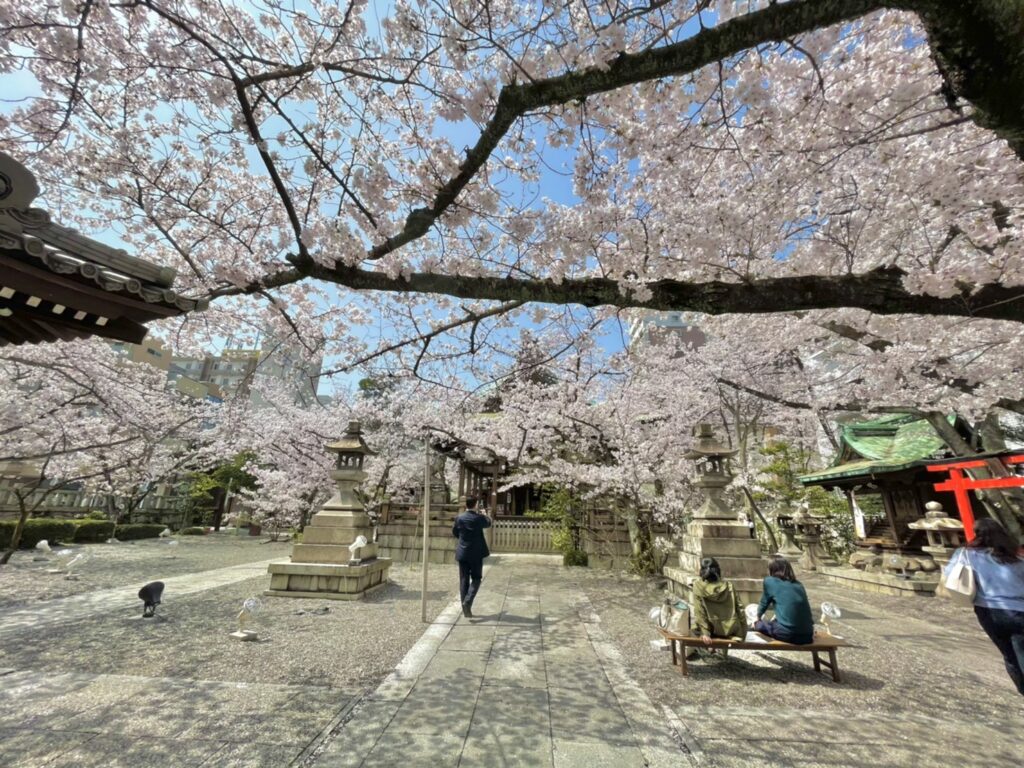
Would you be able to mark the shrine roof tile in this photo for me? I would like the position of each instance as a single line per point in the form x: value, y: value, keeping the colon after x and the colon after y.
x: 890, y: 444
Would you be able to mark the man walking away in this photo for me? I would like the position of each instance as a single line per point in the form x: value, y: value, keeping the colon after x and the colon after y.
x: 470, y: 552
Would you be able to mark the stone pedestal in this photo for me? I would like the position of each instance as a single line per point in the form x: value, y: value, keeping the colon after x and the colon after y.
x: 326, y: 564
x: 729, y: 542
x: 921, y: 584
x: 789, y: 549
x: 944, y: 533
x: 808, y: 536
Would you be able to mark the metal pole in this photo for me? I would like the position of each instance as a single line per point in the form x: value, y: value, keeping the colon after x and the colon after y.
x: 426, y: 526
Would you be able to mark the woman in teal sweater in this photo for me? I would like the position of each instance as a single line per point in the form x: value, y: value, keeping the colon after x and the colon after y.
x: 793, y: 622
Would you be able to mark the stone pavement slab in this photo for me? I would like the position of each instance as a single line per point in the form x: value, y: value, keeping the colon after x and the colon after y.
x: 529, y: 681
x: 732, y: 737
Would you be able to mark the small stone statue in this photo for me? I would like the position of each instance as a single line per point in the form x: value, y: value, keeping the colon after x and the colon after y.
x: 353, y: 550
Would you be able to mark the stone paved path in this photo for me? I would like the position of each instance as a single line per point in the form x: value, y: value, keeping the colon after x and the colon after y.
x: 530, y: 681
x: 76, y: 720
x: 77, y: 607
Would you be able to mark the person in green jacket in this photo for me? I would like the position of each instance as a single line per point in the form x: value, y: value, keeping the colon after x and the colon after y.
x: 716, y: 607
x: 793, y: 622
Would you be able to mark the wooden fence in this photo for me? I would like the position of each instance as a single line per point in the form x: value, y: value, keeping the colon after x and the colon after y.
x: 514, y: 534
x: 167, y: 510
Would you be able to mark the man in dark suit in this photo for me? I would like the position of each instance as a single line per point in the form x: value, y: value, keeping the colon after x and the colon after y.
x: 470, y: 552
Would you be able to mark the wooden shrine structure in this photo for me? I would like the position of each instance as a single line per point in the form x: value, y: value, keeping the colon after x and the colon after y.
x: 901, y: 459
x: 58, y: 284
x: 888, y: 457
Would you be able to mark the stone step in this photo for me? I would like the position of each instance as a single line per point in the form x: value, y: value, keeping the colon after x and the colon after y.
x: 713, y: 547
x: 416, y: 542
x: 732, y: 567
x: 411, y: 529
x: 718, y: 529
x: 748, y: 590
x: 439, y: 556
x: 334, y: 534
x: 338, y: 517
x: 329, y: 553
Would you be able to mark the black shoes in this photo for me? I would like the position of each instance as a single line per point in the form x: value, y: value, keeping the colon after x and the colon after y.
x: 466, y: 611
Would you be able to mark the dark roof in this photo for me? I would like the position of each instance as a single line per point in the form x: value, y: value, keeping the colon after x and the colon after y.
x: 58, y: 284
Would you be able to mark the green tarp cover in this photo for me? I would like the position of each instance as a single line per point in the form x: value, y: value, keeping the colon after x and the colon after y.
x: 888, y: 444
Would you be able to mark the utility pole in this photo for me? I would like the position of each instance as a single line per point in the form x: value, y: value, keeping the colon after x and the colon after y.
x: 426, y: 525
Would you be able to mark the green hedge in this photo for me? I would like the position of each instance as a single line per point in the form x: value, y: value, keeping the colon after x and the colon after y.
x: 37, y: 529
x: 575, y: 557
x: 94, y: 531
x: 195, y: 530
x: 132, y: 531
x: 97, y: 514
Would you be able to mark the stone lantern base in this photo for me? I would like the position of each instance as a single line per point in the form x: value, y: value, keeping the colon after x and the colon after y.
x: 321, y: 564
x: 729, y: 542
x: 328, y: 582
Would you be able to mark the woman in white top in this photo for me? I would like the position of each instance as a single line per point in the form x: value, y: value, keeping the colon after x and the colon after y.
x: 999, y: 602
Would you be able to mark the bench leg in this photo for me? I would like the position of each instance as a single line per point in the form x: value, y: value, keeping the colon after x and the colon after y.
x: 684, y: 668
x: 832, y: 664
x: 672, y: 647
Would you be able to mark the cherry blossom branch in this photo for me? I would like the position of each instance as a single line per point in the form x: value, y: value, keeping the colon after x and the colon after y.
x: 472, y: 318
x: 880, y: 291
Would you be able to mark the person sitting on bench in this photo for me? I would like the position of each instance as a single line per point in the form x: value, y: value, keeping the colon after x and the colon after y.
x: 793, y: 622
x: 716, y: 607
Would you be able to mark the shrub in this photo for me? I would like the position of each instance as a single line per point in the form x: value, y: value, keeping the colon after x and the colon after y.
x: 94, y: 531
x: 6, y: 531
x: 36, y: 529
x: 575, y: 557
x: 97, y: 514
x: 132, y: 531
x: 195, y: 530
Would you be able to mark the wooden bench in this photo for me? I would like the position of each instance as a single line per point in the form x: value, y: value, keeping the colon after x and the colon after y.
x: 822, y: 644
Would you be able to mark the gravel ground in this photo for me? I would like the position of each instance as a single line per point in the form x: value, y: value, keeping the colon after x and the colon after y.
x: 354, y: 643
x: 923, y: 655
x: 24, y: 580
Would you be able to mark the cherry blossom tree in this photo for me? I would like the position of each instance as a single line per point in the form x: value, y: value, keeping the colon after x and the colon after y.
x: 839, y: 183
x: 78, y: 413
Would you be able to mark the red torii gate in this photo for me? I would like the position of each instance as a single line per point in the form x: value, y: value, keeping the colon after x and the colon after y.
x: 959, y: 485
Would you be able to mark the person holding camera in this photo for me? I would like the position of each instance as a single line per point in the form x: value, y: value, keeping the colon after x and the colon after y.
x: 470, y: 552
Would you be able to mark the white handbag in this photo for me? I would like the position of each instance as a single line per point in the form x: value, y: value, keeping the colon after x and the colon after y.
x: 960, y: 584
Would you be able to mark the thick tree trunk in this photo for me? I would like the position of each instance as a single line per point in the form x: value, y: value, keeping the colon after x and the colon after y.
x: 978, y: 46
x: 18, y: 529
x: 1000, y: 505
x: 220, y: 495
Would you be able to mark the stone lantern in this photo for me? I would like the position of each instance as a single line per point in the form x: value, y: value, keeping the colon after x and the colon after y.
x: 713, y: 474
x: 789, y: 549
x: 944, y: 533
x: 808, y: 535
x: 715, y: 530
x: 337, y: 558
